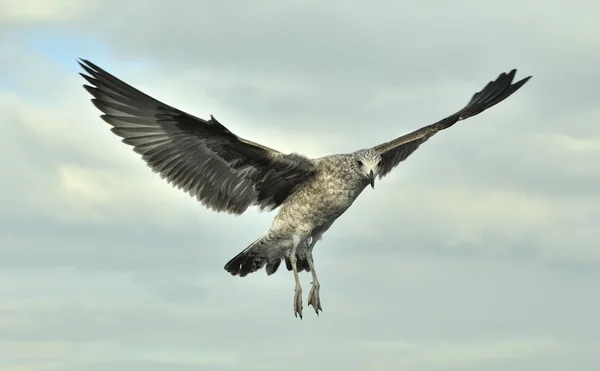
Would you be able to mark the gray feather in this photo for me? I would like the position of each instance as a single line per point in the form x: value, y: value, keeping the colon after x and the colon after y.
x: 202, y: 157
x: 397, y: 150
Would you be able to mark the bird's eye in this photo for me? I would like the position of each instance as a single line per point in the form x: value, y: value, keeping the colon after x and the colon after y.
x: 359, y: 162
x: 379, y: 163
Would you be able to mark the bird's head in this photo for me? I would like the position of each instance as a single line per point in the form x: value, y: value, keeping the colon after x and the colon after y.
x: 367, y: 163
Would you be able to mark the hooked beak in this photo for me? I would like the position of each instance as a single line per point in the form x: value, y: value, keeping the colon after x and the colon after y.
x: 372, y: 179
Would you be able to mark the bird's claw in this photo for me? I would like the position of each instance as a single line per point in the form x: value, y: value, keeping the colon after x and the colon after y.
x: 298, y: 303
x: 314, y: 300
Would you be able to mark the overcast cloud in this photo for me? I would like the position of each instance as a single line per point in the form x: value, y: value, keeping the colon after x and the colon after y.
x: 480, y: 252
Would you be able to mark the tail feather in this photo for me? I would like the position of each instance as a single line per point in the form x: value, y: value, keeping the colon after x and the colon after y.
x: 261, y: 253
x: 272, y: 266
x: 254, y: 258
x: 245, y: 262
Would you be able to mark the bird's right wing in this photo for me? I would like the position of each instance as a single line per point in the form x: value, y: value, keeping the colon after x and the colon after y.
x: 223, y: 171
x: 397, y: 150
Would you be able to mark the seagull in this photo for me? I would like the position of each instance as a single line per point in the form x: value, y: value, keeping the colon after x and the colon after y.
x: 227, y: 173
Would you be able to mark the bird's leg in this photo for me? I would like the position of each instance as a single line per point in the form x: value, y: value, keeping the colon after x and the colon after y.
x: 298, y: 290
x: 313, y: 294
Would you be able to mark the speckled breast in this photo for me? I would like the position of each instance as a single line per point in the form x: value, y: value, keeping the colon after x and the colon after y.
x: 320, y: 202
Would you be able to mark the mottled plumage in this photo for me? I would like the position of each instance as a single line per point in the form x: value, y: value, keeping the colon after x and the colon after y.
x: 227, y: 173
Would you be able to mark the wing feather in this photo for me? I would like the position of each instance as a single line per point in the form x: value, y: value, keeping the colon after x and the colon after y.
x: 397, y: 150
x: 202, y: 157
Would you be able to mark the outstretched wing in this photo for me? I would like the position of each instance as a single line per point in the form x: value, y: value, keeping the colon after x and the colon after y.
x: 223, y: 171
x: 397, y: 150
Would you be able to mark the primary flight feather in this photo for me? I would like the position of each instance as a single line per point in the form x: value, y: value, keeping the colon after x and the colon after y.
x: 227, y: 173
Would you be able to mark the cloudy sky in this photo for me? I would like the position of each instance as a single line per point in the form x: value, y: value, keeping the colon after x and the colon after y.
x: 480, y: 252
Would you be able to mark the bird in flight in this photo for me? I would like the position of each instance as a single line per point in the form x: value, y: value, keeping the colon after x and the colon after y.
x: 227, y: 173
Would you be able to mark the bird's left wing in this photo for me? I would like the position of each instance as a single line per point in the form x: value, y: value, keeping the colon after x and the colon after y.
x: 223, y: 171
x: 397, y: 150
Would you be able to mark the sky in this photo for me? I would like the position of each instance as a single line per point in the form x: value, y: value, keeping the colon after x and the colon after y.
x: 480, y: 251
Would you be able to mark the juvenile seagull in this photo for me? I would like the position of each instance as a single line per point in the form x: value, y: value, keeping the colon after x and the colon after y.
x: 227, y: 173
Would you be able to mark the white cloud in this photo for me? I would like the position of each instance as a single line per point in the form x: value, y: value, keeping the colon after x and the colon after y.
x: 32, y: 11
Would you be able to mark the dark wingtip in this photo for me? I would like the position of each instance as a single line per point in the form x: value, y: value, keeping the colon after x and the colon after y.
x: 493, y: 93
x: 523, y: 81
x: 82, y: 62
x: 514, y: 71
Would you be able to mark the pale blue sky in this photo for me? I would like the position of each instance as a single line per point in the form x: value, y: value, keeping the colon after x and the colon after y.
x: 479, y: 252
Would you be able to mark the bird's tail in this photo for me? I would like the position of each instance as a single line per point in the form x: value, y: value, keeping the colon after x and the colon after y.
x: 265, y: 251
x: 255, y: 257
